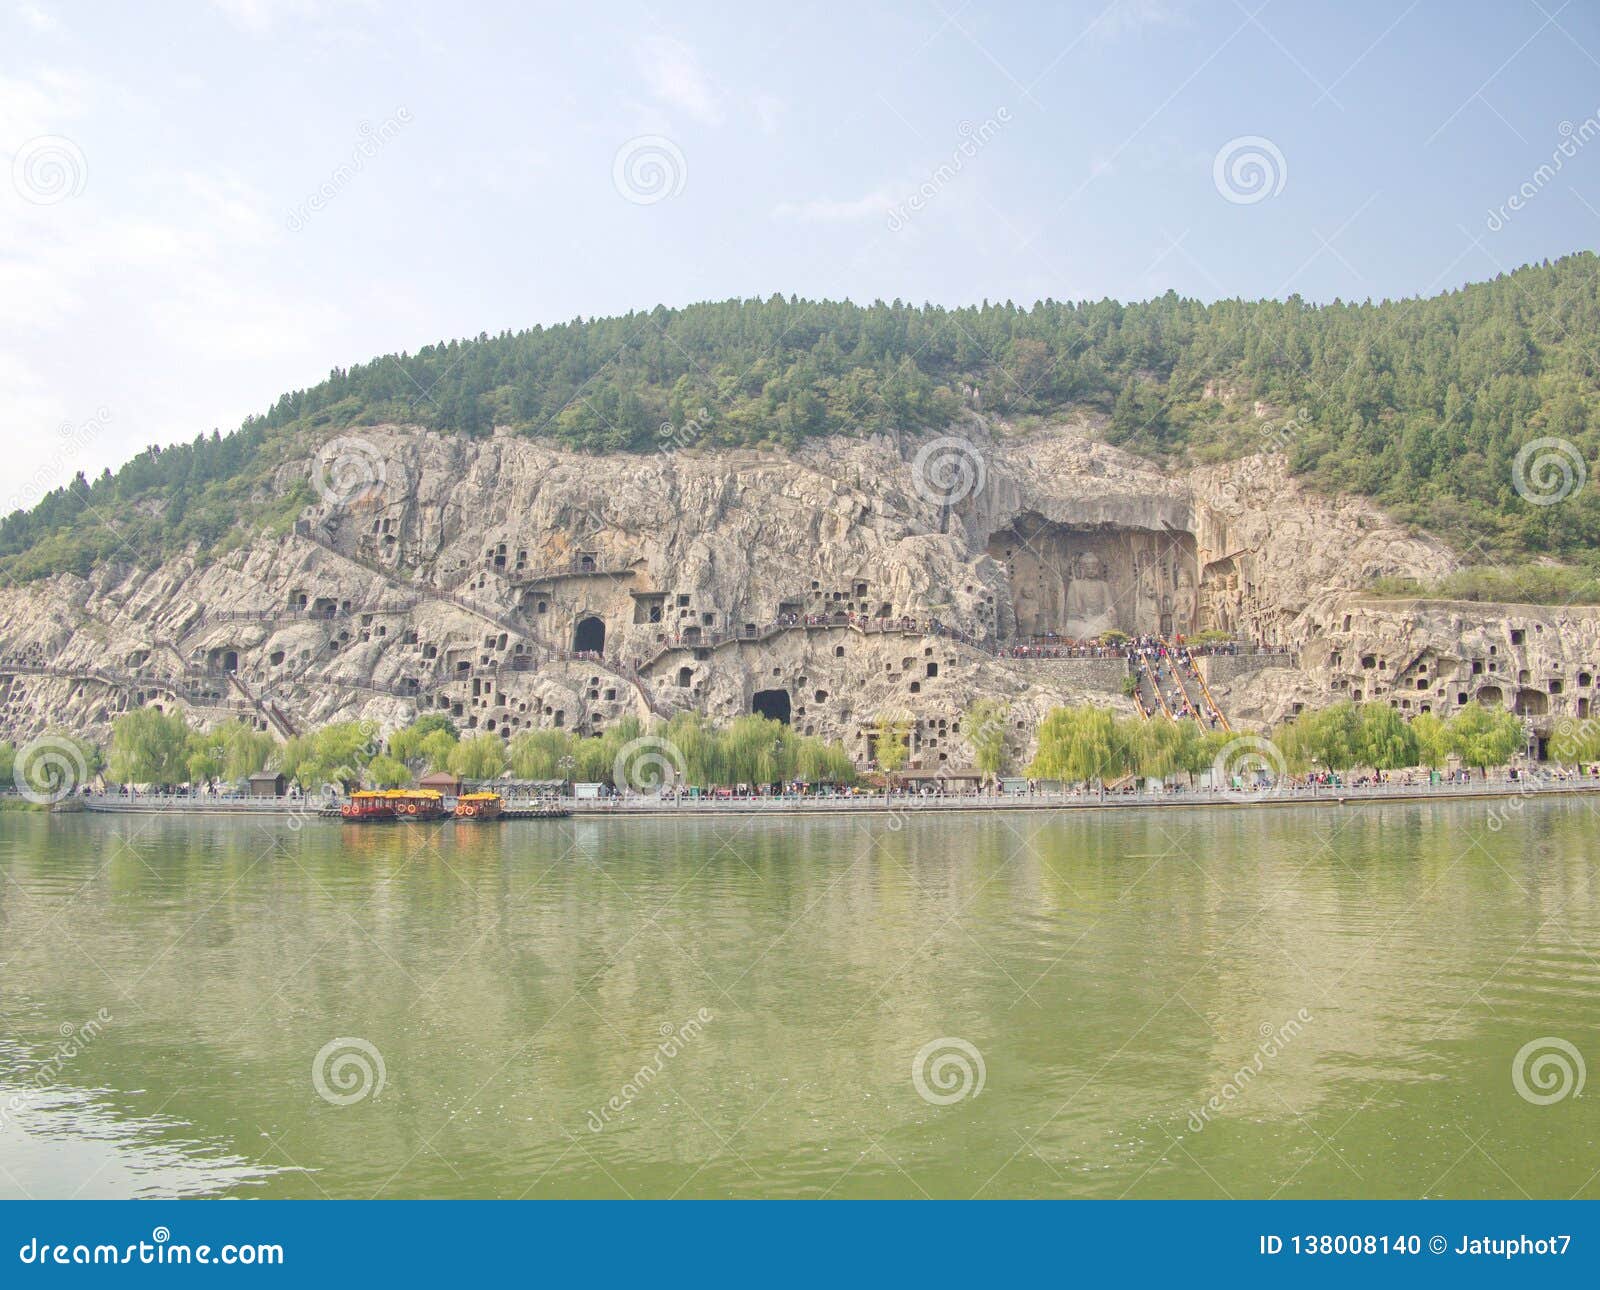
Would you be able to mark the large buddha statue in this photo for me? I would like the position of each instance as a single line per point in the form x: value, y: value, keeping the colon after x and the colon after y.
x: 1091, y: 609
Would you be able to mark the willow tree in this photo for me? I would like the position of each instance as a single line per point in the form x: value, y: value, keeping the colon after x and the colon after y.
x: 480, y: 756
x: 384, y: 771
x: 1084, y: 745
x: 1573, y: 742
x: 1433, y: 740
x: 149, y: 746
x: 246, y: 750
x: 1484, y: 737
x: 418, y: 745
x: 985, y: 727
x: 1385, y: 739
x: 539, y: 754
x: 892, y: 747
x: 336, y: 754
x: 822, y: 762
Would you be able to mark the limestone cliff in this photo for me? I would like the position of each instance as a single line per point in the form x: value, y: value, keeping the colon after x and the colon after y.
x: 517, y: 586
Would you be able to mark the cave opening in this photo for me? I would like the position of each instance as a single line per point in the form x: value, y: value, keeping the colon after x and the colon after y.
x: 771, y: 703
x: 590, y: 634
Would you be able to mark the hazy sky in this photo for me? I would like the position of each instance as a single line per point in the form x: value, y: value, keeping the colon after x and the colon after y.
x: 203, y: 205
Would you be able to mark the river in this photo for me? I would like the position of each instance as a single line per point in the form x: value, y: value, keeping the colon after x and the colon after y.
x: 1294, y: 1002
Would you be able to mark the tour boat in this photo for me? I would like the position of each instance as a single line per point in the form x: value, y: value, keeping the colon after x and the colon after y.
x: 478, y: 806
x: 416, y: 804
x: 368, y: 808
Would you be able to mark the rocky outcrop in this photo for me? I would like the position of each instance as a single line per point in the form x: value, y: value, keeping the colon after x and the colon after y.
x: 518, y: 586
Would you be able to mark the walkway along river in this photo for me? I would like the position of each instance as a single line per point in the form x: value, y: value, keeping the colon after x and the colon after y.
x: 901, y: 802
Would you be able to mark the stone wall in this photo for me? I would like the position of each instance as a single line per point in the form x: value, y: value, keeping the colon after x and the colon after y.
x: 457, y: 582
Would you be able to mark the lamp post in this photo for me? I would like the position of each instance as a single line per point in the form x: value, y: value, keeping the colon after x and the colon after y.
x: 566, y: 765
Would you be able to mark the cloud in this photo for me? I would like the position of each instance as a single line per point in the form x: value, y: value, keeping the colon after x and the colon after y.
x: 672, y: 72
x: 1132, y: 16
x: 825, y: 211
x: 39, y: 19
x: 39, y: 106
x: 261, y: 18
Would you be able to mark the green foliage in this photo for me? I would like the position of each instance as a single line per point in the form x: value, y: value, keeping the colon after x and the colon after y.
x: 1343, y: 736
x: 1089, y: 745
x: 384, y: 771
x: 985, y: 725
x: 1322, y: 738
x: 1484, y: 737
x: 481, y: 756
x: 893, y: 742
x: 540, y: 754
x: 153, y: 747
x: 150, y: 747
x: 434, y: 750
x: 231, y: 751
x: 1433, y: 740
x: 1530, y: 584
x: 751, y: 750
x: 40, y: 771
x: 1422, y: 404
x: 1571, y: 743
x: 336, y: 754
x: 1385, y: 739
x: 407, y: 745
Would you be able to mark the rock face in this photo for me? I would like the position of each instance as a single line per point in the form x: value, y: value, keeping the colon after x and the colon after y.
x: 516, y: 586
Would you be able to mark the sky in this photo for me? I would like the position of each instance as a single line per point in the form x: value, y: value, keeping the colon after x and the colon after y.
x: 206, y: 204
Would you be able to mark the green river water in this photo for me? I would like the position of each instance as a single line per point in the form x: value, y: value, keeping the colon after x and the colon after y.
x: 167, y: 985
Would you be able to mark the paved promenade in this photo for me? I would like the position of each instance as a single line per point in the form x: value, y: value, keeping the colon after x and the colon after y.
x: 899, y: 804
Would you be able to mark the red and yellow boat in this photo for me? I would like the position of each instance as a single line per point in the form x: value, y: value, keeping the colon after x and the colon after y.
x: 478, y: 806
x: 366, y: 807
x: 385, y: 805
x: 417, y: 803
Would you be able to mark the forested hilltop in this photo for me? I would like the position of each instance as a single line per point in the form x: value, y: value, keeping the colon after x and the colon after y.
x: 1420, y: 404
